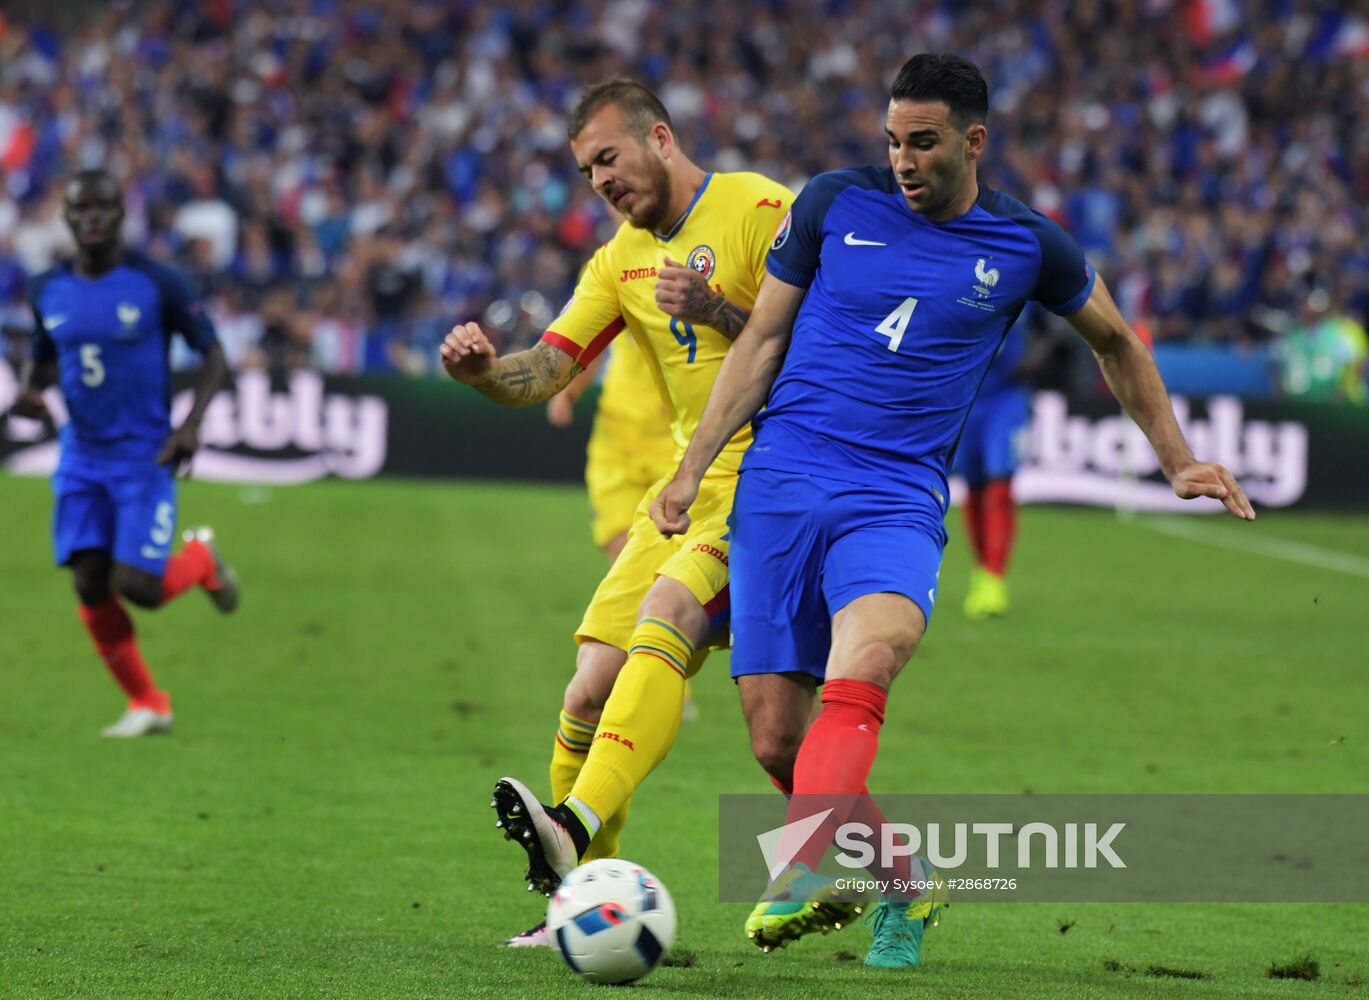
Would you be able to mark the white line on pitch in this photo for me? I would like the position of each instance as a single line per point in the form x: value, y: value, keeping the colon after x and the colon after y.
x: 1264, y: 545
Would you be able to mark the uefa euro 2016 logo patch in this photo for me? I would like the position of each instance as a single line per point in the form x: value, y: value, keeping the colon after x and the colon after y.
x: 782, y: 233
x: 703, y: 259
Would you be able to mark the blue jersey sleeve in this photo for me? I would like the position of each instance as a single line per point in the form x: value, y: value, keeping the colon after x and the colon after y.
x: 1066, y: 279
x: 43, y: 350
x: 798, y: 245
x: 181, y: 310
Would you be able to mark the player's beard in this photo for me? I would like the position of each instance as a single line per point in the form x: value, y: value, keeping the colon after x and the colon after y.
x: 941, y: 187
x: 653, y: 203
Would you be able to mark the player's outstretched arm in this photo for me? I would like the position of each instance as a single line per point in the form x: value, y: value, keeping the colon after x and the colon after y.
x: 1131, y: 373
x: 740, y: 390
x: 521, y: 379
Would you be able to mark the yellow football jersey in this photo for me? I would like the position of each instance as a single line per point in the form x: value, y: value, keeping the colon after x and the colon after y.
x: 628, y: 395
x: 724, y: 235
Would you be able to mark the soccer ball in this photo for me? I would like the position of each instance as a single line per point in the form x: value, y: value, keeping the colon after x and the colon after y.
x: 611, y: 920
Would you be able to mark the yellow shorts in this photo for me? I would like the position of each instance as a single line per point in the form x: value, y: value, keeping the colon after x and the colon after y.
x: 622, y: 465
x: 697, y: 559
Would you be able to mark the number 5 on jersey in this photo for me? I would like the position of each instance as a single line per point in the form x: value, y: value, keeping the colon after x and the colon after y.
x: 92, y: 368
x: 893, y: 325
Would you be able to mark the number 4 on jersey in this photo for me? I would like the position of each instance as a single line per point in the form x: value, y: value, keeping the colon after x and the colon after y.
x: 893, y: 325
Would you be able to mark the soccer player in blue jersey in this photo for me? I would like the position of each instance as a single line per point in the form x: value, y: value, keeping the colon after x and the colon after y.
x: 889, y: 290
x: 987, y: 456
x: 103, y: 326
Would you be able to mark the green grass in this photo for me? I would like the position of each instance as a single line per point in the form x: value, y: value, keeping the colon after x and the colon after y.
x: 318, y: 824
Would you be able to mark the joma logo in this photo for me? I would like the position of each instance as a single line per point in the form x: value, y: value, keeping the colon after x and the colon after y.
x: 616, y: 739
x: 716, y: 553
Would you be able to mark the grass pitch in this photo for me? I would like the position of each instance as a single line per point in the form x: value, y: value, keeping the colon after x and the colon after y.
x: 318, y: 824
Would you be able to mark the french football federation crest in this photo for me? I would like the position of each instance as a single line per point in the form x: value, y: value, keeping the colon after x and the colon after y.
x: 988, y: 277
x: 128, y: 314
x: 782, y: 234
x: 703, y: 260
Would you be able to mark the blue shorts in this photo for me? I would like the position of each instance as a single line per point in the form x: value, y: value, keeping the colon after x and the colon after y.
x: 125, y: 508
x: 994, y: 440
x: 804, y: 547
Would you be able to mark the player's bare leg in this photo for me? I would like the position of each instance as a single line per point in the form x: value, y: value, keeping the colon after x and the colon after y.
x: 778, y: 709
x: 138, y: 586
x: 614, y: 546
x: 873, y: 637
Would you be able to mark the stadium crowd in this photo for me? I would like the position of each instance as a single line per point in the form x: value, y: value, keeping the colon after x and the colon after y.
x: 345, y: 178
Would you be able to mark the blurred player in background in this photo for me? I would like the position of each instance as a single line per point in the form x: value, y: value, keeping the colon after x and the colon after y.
x: 990, y: 449
x: 664, y: 601
x: 630, y: 447
x: 890, y: 290
x: 103, y: 326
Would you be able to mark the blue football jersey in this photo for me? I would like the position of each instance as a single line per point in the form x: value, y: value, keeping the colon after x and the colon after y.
x: 900, y: 323
x: 1002, y: 373
x: 111, y: 338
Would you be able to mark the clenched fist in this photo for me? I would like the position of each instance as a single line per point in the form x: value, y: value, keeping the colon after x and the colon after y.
x: 467, y: 353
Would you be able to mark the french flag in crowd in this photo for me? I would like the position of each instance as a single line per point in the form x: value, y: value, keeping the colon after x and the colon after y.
x: 1338, y: 35
x: 1233, y: 61
x: 1208, y: 20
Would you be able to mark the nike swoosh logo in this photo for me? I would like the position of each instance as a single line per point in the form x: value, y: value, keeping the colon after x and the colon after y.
x: 151, y: 552
x: 54, y: 322
x: 851, y: 241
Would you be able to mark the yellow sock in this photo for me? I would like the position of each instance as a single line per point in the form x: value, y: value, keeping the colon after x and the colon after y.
x: 573, y: 738
x: 639, y: 721
x: 568, y: 752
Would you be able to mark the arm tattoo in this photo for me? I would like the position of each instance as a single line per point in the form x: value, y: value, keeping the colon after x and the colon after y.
x: 528, y: 377
x: 703, y: 306
x: 727, y: 318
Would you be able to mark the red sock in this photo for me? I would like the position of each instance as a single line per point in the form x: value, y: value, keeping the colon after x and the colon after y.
x: 973, y: 513
x: 835, y: 759
x: 1000, y: 525
x: 190, y: 567
x: 866, y: 810
x: 112, y: 631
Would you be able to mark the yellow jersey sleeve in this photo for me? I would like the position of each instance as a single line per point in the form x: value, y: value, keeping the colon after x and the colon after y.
x: 593, y: 316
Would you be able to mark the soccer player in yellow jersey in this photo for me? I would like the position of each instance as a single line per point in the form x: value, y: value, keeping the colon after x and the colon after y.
x: 680, y: 276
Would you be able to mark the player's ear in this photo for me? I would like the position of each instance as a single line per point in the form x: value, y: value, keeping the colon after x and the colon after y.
x: 975, y: 137
x: 662, y: 140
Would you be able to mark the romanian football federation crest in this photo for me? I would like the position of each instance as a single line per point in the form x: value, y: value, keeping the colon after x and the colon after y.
x: 703, y: 259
